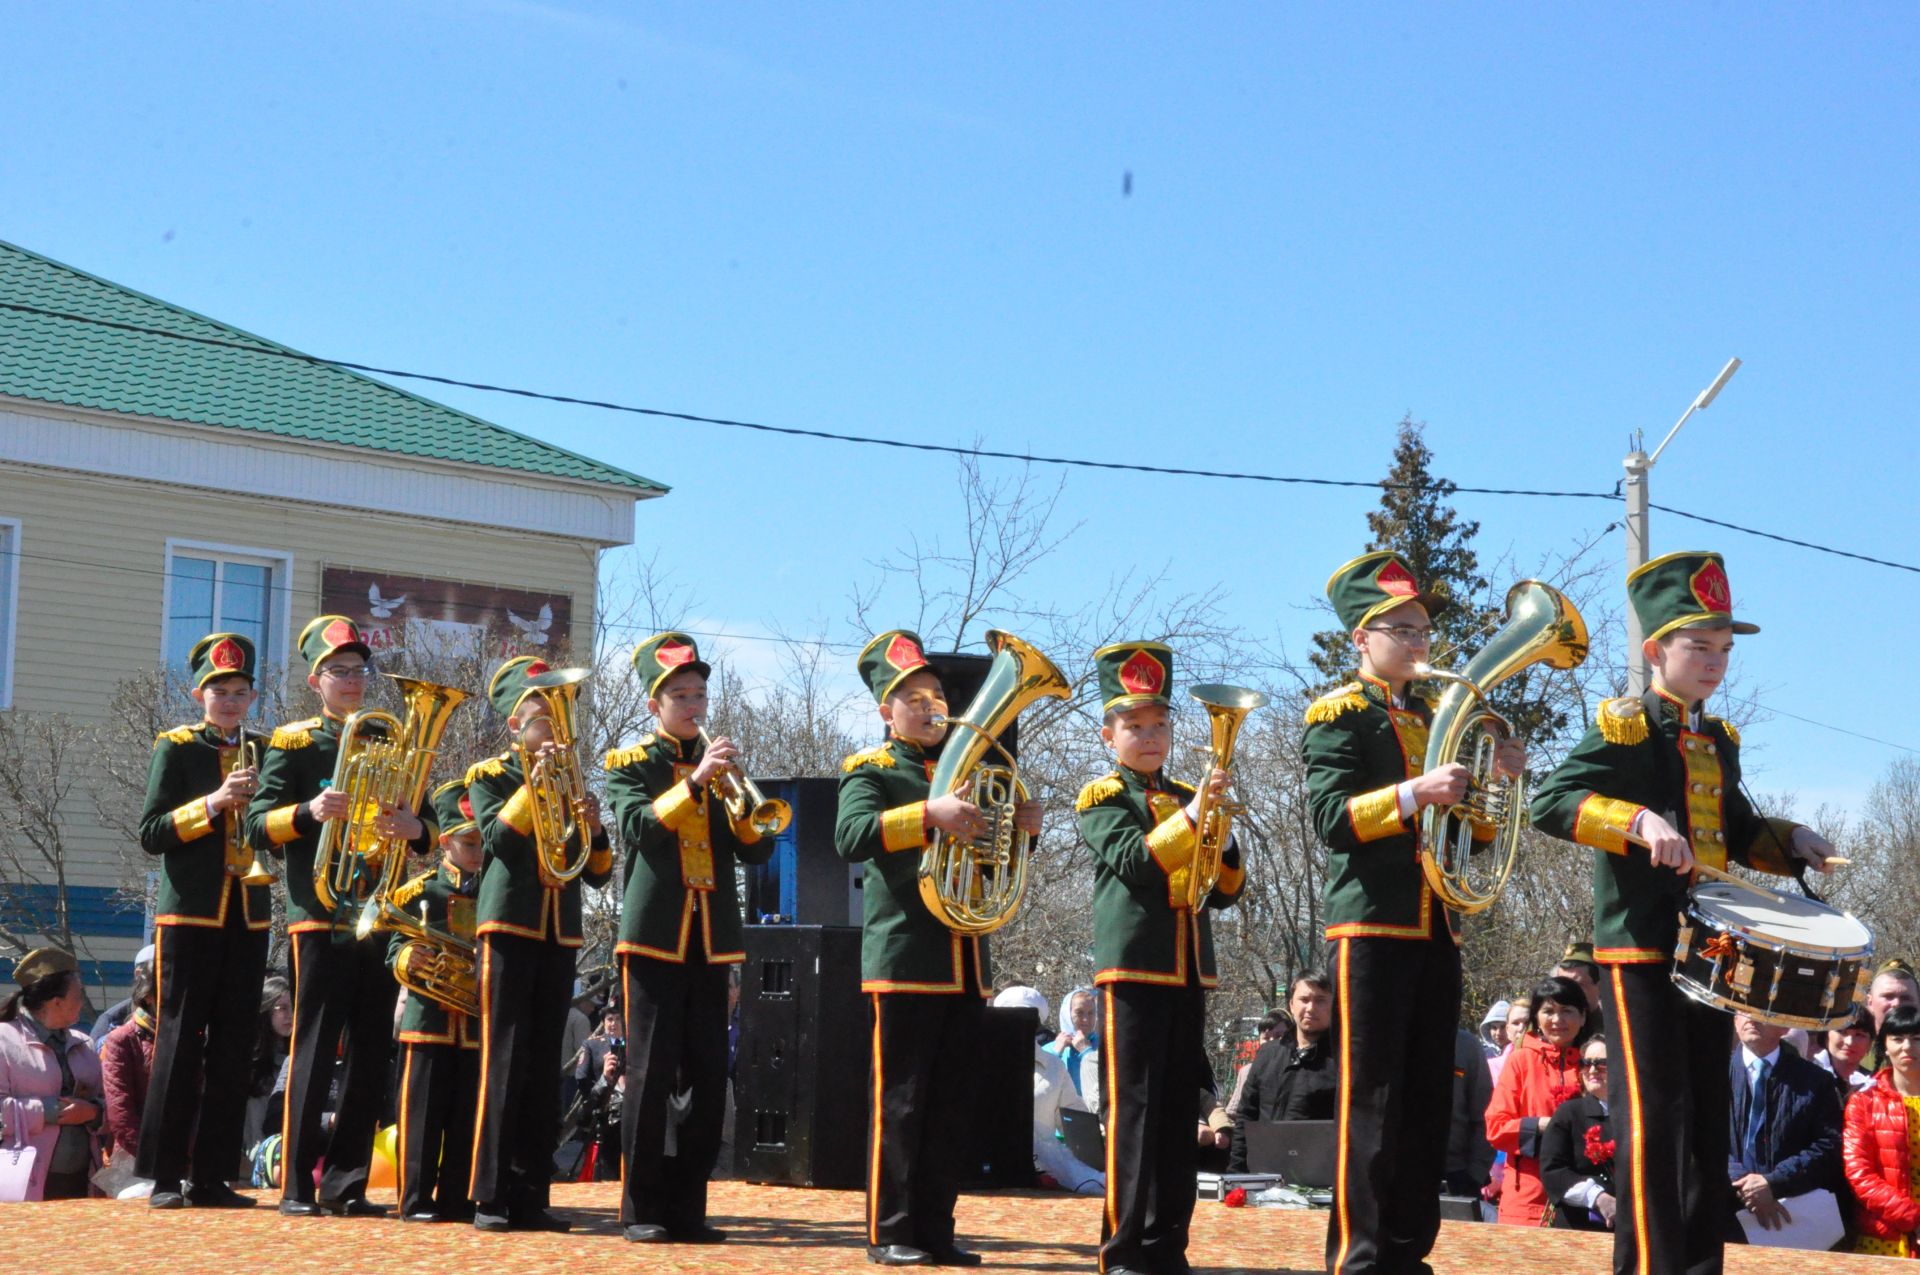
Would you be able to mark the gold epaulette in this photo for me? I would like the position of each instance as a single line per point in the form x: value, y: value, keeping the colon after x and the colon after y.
x: 1181, y: 785
x: 293, y: 734
x: 411, y: 890
x: 637, y: 751
x: 881, y: 756
x: 485, y: 767
x: 1347, y: 699
x: 1104, y: 789
x: 1733, y: 732
x: 1428, y: 694
x: 178, y: 735
x: 1623, y: 720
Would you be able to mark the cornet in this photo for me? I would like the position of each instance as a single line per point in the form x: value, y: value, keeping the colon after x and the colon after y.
x: 245, y: 757
x: 768, y: 816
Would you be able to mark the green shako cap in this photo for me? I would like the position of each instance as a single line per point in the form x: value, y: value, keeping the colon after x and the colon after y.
x: 888, y: 658
x: 663, y: 655
x: 509, y: 684
x: 1375, y: 583
x: 1685, y: 590
x: 220, y: 655
x: 326, y: 636
x: 451, y: 809
x: 1134, y: 673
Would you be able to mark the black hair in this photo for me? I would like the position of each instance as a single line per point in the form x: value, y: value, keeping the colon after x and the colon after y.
x: 141, y: 992
x: 269, y: 1046
x: 1588, y: 968
x: 1597, y: 1038
x: 1561, y: 991
x: 1312, y: 976
x: 50, y: 987
x: 1901, y: 1020
x: 1272, y: 1019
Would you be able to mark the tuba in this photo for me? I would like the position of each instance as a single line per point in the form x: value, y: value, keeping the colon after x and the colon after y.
x: 1227, y: 708
x: 768, y: 816
x: 556, y: 783
x: 431, y: 963
x: 1542, y: 627
x: 974, y: 887
x: 376, y: 772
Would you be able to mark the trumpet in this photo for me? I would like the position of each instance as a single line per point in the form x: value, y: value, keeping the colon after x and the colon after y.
x: 377, y: 773
x: 767, y: 816
x: 245, y: 757
x: 1227, y: 708
x: 555, y: 782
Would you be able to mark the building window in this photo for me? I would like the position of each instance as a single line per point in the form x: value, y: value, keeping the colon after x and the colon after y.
x: 223, y: 590
x: 9, y: 603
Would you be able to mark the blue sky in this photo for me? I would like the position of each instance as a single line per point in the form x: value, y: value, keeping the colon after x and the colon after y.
x: 1535, y: 228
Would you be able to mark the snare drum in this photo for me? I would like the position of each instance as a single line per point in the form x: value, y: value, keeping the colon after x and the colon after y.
x: 1784, y: 959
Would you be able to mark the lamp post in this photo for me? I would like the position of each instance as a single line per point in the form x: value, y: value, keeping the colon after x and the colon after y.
x: 1639, y: 466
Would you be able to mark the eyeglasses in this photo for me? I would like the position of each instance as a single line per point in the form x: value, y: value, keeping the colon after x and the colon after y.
x: 358, y: 673
x: 1593, y: 1064
x: 1406, y: 634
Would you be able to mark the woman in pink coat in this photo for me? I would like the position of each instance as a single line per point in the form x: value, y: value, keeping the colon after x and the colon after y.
x: 50, y: 1083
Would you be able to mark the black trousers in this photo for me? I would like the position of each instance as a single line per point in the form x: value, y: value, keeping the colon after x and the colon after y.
x: 439, y: 1085
x: 1668, y: 1090
x: 676, y: 1042
x: 341, y: 989
x: 1153, y: 1067
x: 1396, y: 1009
x: 923, y: 1075
x: 207, y: 1003
x: 525, y: 988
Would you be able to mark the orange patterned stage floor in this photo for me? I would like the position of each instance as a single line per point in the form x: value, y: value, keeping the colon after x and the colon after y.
x: 775, y: 1229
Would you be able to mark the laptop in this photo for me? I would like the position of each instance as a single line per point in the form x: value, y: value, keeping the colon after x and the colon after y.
x: 1302, y: 1152
x: 1081, y: 1131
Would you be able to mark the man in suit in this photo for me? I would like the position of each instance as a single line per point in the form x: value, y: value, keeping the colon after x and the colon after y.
x: 1786, y: 1123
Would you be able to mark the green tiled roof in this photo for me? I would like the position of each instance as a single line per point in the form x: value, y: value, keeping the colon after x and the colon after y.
x: 244, y: 382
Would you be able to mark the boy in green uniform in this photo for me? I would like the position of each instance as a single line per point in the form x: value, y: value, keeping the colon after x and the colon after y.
x: 210, y: 936
x: 1654, y: 788
x: 928, y: 985
x: 1154, y: 957
x: 440, y: 1065
x: 340, y: 985
x: 1394, y: 951
x: 679, y: 933
x: 529, y: 932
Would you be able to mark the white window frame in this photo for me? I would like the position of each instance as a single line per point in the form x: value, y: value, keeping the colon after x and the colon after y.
x: 279, y: 583
x: 9, y: 605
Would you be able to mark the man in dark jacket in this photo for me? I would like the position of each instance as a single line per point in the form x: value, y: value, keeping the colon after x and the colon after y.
x: 1788, y: 1143
x: 1294, y: 1077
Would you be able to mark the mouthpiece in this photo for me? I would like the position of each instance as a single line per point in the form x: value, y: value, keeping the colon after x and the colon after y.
x: 1423, y: 669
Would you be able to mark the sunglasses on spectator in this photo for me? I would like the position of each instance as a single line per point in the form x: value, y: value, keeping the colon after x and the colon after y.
x: 1593, y: 1064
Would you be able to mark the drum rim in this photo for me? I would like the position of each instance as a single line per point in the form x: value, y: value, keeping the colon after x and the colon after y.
x: 1766, y: 1016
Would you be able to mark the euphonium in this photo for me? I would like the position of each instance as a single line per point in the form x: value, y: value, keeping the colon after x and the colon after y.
x: 1542, y: 627
x: 431, y: 963
x: 974, y: 887
x: 376, y: 773
x: 556, y: 783
x: 768, y: 816
x: 1227, y: 708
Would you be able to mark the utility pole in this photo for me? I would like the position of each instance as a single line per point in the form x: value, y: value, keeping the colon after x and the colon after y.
x: 1639, y: 467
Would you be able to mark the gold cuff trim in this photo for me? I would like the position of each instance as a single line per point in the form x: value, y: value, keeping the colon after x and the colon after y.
x: 1604, y: 822
x: 599, y: 861
x: 1376, y: 815
x: 1772, y: 850
x: 280, y: 829
x: 1231, y: 880
x: 190, y: 822
x: 904, y: 827
x: 672, y: 806
x: 517, y: 814
x: 1171, y: 843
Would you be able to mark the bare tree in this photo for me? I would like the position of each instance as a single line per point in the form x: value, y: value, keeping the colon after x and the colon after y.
x: 43, y: 757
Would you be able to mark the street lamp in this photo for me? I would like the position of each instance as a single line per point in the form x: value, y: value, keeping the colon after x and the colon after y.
x: 1639, y: 465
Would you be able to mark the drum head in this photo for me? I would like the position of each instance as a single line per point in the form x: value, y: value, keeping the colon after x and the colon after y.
x: 1798, y: 922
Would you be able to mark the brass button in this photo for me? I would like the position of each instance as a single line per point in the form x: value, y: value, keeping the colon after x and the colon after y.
x: 1719, y: 836
x: 1716, y: 792
x: 1699, y: 787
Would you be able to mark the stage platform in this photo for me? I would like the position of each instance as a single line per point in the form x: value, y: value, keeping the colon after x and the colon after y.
x: 775, y: 1229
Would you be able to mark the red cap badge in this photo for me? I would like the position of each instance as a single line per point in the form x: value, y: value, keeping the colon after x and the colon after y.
x: 1710, y: 587
x: 904, y: 653
x: 466, y: 806
x: 673, y: 654
x: 1142, y: 674
x: 339, y: 633
x: 1397, y: 580
x: 536, y: 667
x: 226, y: 654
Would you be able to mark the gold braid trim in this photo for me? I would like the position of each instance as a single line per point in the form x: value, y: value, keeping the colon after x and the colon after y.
x: 490, y: 766
x: 1733, y: 732
x: 1098, y: 791
x: 411, y: 890
x: 293, y: 735
x: 881, y: 756
x: 1348, y: 699
x: 1622, y: 721
x: 628, y: 756
x: 178, y: 735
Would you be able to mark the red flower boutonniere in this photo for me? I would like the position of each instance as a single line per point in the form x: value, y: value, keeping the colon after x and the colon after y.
x: 1236, y: 1198
x: 1599, y: 1150
x: 1248, y: 1048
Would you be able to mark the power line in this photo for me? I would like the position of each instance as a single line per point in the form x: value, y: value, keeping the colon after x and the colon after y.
x: 1787, y: 540
x: 1838, y: 730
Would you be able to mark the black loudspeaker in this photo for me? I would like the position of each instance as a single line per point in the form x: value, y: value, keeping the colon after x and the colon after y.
x: 805, y: 882
x: 803, y: 1055
x: 1003, y: 1101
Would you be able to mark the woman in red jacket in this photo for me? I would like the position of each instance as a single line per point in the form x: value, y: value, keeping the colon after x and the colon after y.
x: 1542, y: 1072
x: 126, y: 1061
x: 1882, y: 1147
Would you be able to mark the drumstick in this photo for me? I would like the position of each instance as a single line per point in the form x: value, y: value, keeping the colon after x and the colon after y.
x: 1716, y: 874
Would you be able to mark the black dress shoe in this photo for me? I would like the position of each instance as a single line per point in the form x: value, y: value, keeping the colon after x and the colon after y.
x: 953, y: 1255
x: 486, y: 1219
x: 166, y: 1200
x: 645, y: 1233
x: 702, y: 1234
x: 538, y: 1220
x: 352, y: 1208
x: 456, y: 1213
x: 898, y: 1255
x: 300, y: 1208
x: 421, y: 1217
x: 218, y: 1196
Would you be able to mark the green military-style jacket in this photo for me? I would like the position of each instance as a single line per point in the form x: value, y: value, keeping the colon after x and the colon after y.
x: 1359, y: 748
x: 516, y: 894
x: 202, y: 857
x: 443, y: 897
x: 1143, y: 846
x: 883, y: 824
x: 680, y: 858
x: 1643, y: 754
x: 298, y: 765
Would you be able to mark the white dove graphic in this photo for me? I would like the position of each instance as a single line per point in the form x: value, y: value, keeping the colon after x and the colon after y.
x: 534, y: 631
x: 381, y: 607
